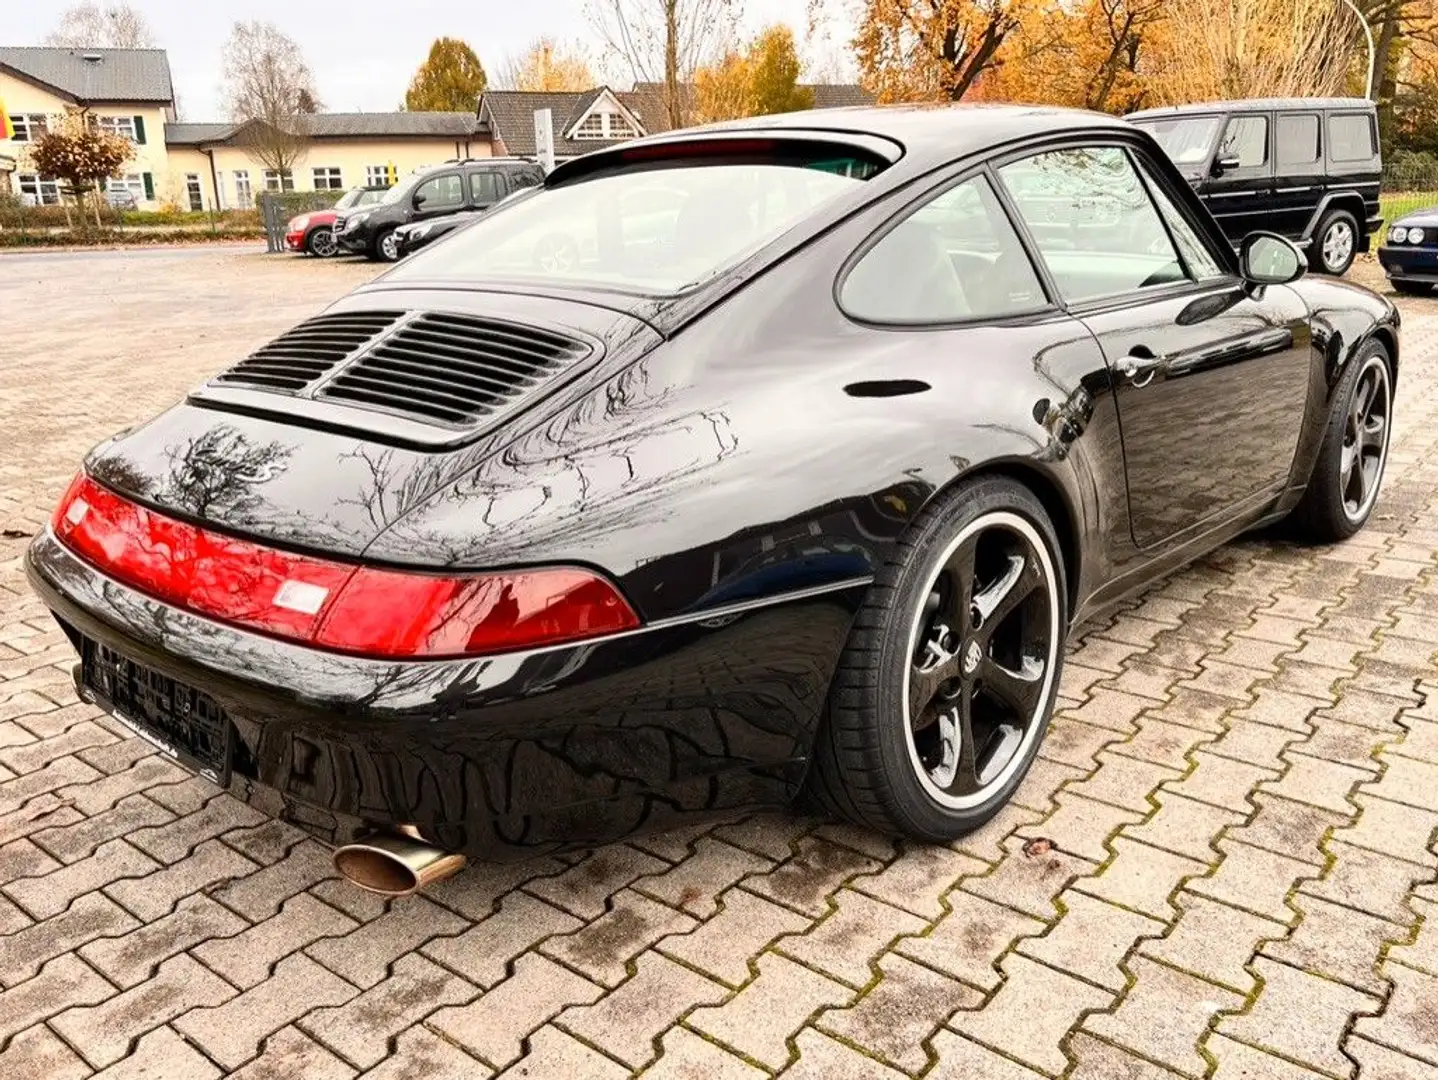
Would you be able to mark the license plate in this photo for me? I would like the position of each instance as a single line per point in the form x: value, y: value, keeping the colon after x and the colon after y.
x: 181, y: 722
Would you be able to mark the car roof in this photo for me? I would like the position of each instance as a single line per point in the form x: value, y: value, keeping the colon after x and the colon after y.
x: 929, y: 134
x: 1255, y: 105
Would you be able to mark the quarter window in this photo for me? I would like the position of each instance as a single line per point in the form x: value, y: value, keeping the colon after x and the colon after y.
x: 1094, y: 224
x: 484, y: 188
x: 1350, y: 137
x: 327, y: 178
x: 446, y: 190
x: 1297, y: 139
x: 956, y: 257
x: 1246, y: 138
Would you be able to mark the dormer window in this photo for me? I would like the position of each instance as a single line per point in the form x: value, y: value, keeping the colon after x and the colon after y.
x: 605, y: 124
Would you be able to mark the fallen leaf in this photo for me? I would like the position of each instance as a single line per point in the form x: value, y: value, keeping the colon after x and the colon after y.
x: 14, y: 534
x: 1039, y: 845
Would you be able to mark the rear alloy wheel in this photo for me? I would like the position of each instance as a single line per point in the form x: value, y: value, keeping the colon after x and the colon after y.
x: 949, y: 676
x: 321, y: 243
x: 1349, y: 471
x: 1335, y: 243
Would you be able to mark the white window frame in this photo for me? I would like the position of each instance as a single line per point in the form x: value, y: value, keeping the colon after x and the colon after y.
x: 376, y: 175
x: 332, y: 175
x: 279, y: 181
x: 117, y: 125
x: 244, y: 193
x: 44, y: 191
x: 613, y: 124
x: 29, y: 126
x: 134, y: 183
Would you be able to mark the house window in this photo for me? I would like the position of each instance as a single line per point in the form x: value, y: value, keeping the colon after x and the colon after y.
x: 39, y: 189
x: 125, y: 189
x: 591, y: 128
x: 605, y: 125
x: 244, y: 196
x: 117, y: 125
x: 276, y: 180
x: 327, y: 178
x: 376, y: 176
x: 28, y: 126
x: 620, y: 127
x: 194, y: 193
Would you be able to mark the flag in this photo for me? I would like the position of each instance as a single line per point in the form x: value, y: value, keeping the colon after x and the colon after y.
x: 7, y: 129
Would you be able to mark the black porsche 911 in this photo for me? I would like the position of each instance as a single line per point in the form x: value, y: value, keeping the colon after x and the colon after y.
x: 792, y: 475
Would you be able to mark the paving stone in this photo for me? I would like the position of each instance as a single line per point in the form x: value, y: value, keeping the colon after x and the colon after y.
x: 896, y: 1016
x: 64, y: 982
x: 51, y: 893
x: 1259, y: 745
x: 1384, y: 1063
x: 1324, y: 784
x: 1278, y: 708
x: 289, y: 1053
x: 38, y: 1052
x: 553, y: 1053
x: 157, y: 893
x: 583, y: 889
x: 1030, y: 883
x: 1379, y: 712
x: 1236, y: 1061
x: 1213, y: 941
x: 1042, y: 783
x: 603, y: 948
x: 1406, y: 780
x: 724, y: 945
x: 1254, y: 879
x: 364, y: 955
x: 259, y: 895
x: 868, y: 842
x: 693, y: 884
x: 231, y: 1033
x: 1141, y: 878
x: 772, y: 835
x: 1124, y: 781
x: 36, y: 755
x: 420, y: 1054
x: 360, y: 1030
x: 44, y: 813
x: 1422, y: 951
x: 626, y: 1022
x: 1300, y: 1016
x: 78, y: 839
x: 806, y: 880
x: 917, y: 879
x: 963, y: 1059
x: 57, y: 774
x: 1336, y: 942
x: 1392, y: 828
x: 102, y: 1033
x: 822, y: 1058
x: 1408, y: 1022
x: 494, y: 1025
x: 90, y: 916
x: 1294, y: 829
x: 266, y: 843
x: 1091, y: 940
x: 1420, y: 741
x: 130, y: 959
x: 1099, y: 1060
x: 842, y: 945
x: 1081, y: 826
x: 968, y: 942
x: 989, y: 841
x: 162, y: 1055
x: 1164, y: 1015
x: 482, y: 953
x: 685, y: 1056
x: 247, y: 958
x: 1029, y: 1016
x: 1184, y: 826
x: 1344, y: 744
x: 1074, y: 743
x: 761, y: 1017
x: 1221, y: 781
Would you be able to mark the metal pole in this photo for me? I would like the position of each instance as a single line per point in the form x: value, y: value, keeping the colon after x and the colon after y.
x: 1368, y: 33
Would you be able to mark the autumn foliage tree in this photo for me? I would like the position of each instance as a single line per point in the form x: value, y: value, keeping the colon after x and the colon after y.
x: 548, y: 66
x: 927, y: 50
x: 758, y: 80
x: 450, y: 79
x: 80, y: 155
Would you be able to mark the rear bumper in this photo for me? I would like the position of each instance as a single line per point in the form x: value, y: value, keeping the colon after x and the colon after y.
x: 503, y: 756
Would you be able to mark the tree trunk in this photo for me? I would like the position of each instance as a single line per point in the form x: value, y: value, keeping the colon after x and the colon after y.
x: 671, y: 64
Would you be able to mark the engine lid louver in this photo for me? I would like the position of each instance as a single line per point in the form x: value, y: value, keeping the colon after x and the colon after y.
x: 438, y: 372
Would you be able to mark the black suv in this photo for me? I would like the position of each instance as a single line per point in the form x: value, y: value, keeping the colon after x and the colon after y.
x: 1308, y: 168
x: 455, y: 187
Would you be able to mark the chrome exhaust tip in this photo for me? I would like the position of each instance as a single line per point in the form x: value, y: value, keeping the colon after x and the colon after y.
x: 395, y: 864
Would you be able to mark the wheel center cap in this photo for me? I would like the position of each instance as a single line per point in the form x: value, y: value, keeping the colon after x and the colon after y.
x: 972, y: 655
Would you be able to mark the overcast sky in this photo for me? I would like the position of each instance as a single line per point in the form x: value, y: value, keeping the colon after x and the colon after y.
x: 363, y: 52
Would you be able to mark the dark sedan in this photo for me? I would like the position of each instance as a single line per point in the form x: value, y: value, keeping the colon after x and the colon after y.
x: 1409, y: 254
x: 792, y: 474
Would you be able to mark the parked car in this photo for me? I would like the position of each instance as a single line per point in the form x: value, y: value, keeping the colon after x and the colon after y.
x: 313, y: 232
x: 1307, y: 168
x: 420, y: 234
x: 456, y: 187
x: 1409, y: 256
x: 800, y: 486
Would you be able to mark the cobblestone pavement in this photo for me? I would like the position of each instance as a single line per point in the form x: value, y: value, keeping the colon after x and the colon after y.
x: 1224, y: 863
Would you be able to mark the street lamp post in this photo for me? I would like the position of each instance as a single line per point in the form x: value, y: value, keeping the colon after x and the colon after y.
x: 1368, y: 33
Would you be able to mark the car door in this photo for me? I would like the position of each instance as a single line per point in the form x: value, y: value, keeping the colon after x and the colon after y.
x: 486, y: 187
x: 1210, y: 377
x: 1240, y: 183
x: 439, y: 195
x: 1297, y: 172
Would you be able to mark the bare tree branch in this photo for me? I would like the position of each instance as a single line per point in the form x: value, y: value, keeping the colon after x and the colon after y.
x: 270, y: 91
x: 90, y: 26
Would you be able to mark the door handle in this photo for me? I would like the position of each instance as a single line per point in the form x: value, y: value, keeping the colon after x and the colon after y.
x: 1139, y: 367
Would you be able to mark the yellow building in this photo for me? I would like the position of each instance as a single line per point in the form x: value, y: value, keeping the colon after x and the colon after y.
x: 204, y: 166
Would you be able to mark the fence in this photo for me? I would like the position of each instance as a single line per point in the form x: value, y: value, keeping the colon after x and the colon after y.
x: 276, y: 209
x: 1410, y: 182
x: 22, y: 223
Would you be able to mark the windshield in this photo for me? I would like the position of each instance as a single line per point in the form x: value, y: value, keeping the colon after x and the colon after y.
x: 358, y: 197
x: 656, y: 227
x: 1187, y: 140
x: 403, y: 188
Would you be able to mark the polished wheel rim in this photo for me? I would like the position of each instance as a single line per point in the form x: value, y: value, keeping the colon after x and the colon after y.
x: 982, y: 656
x: 1365, y: 439
x: 322, y: 243
x: 389, y: 247
x: 1337, y: 245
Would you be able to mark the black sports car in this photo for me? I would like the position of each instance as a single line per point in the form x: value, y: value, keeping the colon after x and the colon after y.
x: 793, y: 474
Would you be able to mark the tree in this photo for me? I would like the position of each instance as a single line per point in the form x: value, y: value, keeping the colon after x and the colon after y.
x: 89, y: 26
x: 760, y: 80
x: 916, y: 50
x: 664, y: 41
x: 547, y: 66
x: 450, y: 79
x: 81, y: 155
x: 271, y: 93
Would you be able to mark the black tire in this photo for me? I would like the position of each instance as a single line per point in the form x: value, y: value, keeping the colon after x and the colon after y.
x: 321, y: 243
x: 867, y: 765
x: 1327, y: 512
x: 1325, y: 254
x: 385, y: 247
x: 1414, y: 288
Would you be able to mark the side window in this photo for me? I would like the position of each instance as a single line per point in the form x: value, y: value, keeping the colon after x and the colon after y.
x: 1095, y: 226
x: 1196, y: 254
x: 484, y: 188
x: 1297, y: 140
x: 1246, y: 138
x: 442, y: 191
x: 956, y: 257
x: 1350, y: 137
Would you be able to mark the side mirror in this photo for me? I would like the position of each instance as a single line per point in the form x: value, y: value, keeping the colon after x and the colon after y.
x: 1269, y: 259
x: 1227, y: 163
x: 420, y: 198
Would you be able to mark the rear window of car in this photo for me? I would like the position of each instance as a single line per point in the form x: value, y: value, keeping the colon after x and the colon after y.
x: 661, y: 219
x: 1350, y: 137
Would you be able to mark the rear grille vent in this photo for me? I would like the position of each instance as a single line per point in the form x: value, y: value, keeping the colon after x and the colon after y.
x: 455, y: 370
x: 297, y: 358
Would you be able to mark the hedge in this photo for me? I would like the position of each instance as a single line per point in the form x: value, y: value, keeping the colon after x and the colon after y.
x: 10, y: 238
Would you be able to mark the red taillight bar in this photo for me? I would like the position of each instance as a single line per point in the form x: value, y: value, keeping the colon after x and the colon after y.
x: 353, y: 609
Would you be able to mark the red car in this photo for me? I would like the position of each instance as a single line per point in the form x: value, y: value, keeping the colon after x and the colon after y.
x: 312, y: 233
